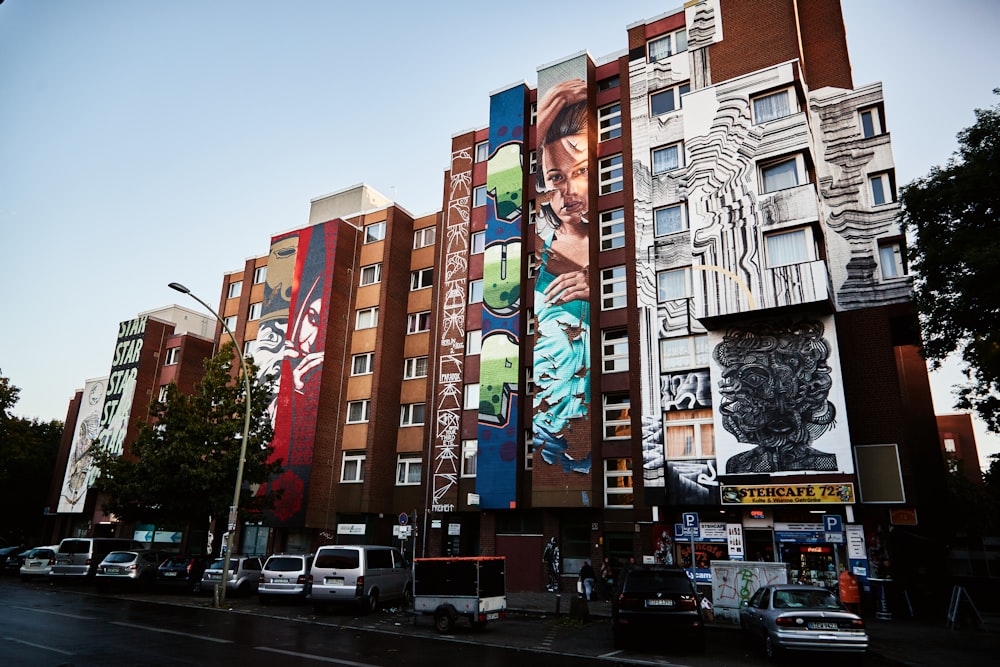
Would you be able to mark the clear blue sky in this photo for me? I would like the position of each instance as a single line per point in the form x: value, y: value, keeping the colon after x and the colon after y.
x: 147, y: 142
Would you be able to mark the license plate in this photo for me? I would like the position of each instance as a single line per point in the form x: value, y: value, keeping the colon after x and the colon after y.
x: 333, y: 581
x: 659, y: 603
x: 493, y: 616
x: 114, y: 570
x: 822, y: 626
x: 210, y: 577
x: 169, y: 574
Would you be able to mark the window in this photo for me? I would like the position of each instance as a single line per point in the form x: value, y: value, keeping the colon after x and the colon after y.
x: 358, y: 411
x: 683, y: 352
x: 363, y: 364
x: 529, y: 381
x: 371, y: 274
x: 533, y: 113
x: 673, y: 284
x: 474, y: 341
x: 230, y: 322
x: 609, y: 83
x: 665, y: 101
x: 532, y: 213
x: 667, y: 159
x: 532, y: 162
x: 613, y: 288
x: 690, y: 434
x: 423, y: 237
x: 478, y: 242
x: 408, y: 470
x: 613, y: 229
x: 414, y: 367
x: 367, y: 318
x: 471, y: 397
x: 670, y: 219
x: 249, y: 347
x: 529, y: 321
x: 482, y: 151
x: 162, y: 396
x: 475, y: 291
x: 618, y: 483
x: 667, y: 45
x: 871, y: 122
x: 235, y: 289
x: 789, y: 247
x: 780, y: 174
x: 255, y: 310
x: 529, y: 449
x: 949, y: 445
x: 418, y: 322
x: 533, y: 264
x: 421, y: 278
x: 470, y: 450
x: 617, y: 423
x: 892, y: 259
x: 883, y: 187
x: 614, y: 346
x: 611, y: 174
x: 609, y: 120
x: 352, y: 470
x: 411, y: 414
x: 375, y: 232
x: 479, y: 196
x: 259, y: 275
x: 773, y: 106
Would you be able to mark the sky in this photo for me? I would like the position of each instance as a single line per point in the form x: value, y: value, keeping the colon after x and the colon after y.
x: 146, y: 142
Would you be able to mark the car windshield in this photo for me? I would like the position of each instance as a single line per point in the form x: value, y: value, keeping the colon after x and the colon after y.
x: 652, y: 581
x: 805, y: 599
x: 284, y: 564
x: 119, y: 557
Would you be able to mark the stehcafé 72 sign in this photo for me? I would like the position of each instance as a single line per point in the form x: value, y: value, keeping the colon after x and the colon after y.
x: 786, y: 494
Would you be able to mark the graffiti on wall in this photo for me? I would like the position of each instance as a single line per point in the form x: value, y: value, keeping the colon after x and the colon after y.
x: 79, y: 476
x: 692, y: 482
x: 117, y: 408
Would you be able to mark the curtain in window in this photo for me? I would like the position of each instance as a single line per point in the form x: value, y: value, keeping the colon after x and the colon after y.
x: 780, y: 176
x: 672, y: 285
x: 669, y: 220
x: 771, y: 107
x: 787, y: 248
x: 659, y: 49
x: 680, y: 441
x: 665, y: 159
x: 889, y: 256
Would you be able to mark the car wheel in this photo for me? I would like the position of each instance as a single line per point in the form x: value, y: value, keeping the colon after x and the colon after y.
x: 371, y: 602
x: 771, y: 648
x: 444, y: 621
x: 407, y: 596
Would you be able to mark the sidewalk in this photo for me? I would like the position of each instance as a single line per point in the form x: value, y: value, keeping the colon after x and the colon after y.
x: 902, y: 641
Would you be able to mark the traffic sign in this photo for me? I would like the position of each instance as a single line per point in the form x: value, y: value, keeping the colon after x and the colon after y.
x: 690, y: 520
x: 681, y: 531
x: 403, y: 518
x: 832, y: 523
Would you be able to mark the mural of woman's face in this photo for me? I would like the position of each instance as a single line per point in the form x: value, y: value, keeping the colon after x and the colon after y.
x: 309, y: 327
x: 564, y: 165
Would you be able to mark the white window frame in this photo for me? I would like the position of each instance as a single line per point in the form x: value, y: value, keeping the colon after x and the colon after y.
x: 759, y: 105
x: 414, y: 368
x: 764, y: 168
x: 529, y: 449
x: 366, y: 318
x: 162, y: 396
x: 409, y: 469
x: 418, y: 322
x: 370, y: 274
x: 891, y: 259
x: 612, y: 229
x: 664, y: 282
x: 366, y: 361
x: 875, y: 120
x: 609, y: 121
x: 674, y: 94
x: 694, y: 349
x: 235, y: 289
x: 614, y: 288
x: 882, y: 182
x: 352, y: 468
x: 473, y: 342
x: 423, y: 237
x: 666, y: 46
x: 259, y: 275
x: 612, y: 174
x: 479, y: 196
x: 533, y: 113
x: 612, y: 405
x: 614, y: 350
x: 676, y: 420
x: 477, y: 245
x: 230, y: 321
x: 364, y: 406
x: 470, y: 454
x: 482, y: 151
x: 676, y: 147
x: 615, y: 493
x: 412, y: 414
x: 375, y: 232
x: 684, y: 226
x: 255, y: 311
x: 470, y: 396
x: 421, y: 278
x: 530, y: 321
x: 807, y: 247
x: 529, y: 381
x: 476, y: 291
x: 249, y: 347
x: 532, y: 162
x: 533, y: 266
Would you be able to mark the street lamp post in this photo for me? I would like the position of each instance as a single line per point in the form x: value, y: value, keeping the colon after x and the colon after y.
x: 233, y: 511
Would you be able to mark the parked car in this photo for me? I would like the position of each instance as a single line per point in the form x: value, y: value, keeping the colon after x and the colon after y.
x: 13, y: 557
x: 793, y: 617
x: 659, y: 602
x: 39, y: 561
x: 183, y: 572
x: 244, y: 575
x: 79, y: 557
x: 285, y: 576
x: 364, y: 574
x: 128, y: 568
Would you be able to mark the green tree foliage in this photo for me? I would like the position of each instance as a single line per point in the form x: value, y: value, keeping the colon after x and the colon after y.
x: 954, y: 215
x: 181, y: 469
x: 28, y: 450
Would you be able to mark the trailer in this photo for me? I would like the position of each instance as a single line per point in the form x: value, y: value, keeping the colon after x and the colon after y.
x: 473, y: 587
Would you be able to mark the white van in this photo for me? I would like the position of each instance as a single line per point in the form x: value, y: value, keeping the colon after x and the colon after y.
x: 79, y: 556
x: 360, y: 574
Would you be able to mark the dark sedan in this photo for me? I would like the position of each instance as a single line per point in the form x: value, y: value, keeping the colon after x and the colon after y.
x: 658, y: 603
x: 181, y: 572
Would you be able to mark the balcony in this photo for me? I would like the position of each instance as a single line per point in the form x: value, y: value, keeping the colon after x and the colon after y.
x: 720, y: 293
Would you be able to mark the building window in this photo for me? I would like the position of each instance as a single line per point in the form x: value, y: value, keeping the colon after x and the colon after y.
x: 617, y: 422
x: 892, y: 259
x: 408, y: 470
x: 773, y: 106
x: 470, y: 450
x: 618, y: 483
x: 475, y: 291
x: 259, y: 275
x: 611, y: 174
x: 473, y: 341
x: 609, y: 83
x: 665, y: 101
x: 789, y: 247
x: 533, y: 264
x: 411, y: 414
x: 532, y: 162
x: 255, y: 310
x: 235, y: 289
x: 871, y: 122
x: 683, y: 352
x: 471, y: 397
x: 690, y: 434
x: 613, y: 229
x: 670, y: 219
x: 529, y: 449
x: 614, y: 345
x: 668, y: 158
x: 479, y: 196
x: 883, y: 187
x: 358, y: 411
x: 613, y: 288
x: 421, y: 279
x: 162, y: 396
x: 529, y: 321
x: 478, y: 242
x: 423, y: 237
x: 533, y: 113
x: 529, y: 381
x: 668, y: 45
x: 414, y: 367
x: 949, y: 443
x: 230, y: 322
x: 375, y: 232
x: 780, y: 174
x: 609, y: 121
x: 532, y: 213
x: 371, y: 274
x: 673, y: 284
x: 249, y: 347
x: 363, y: 364
x: 367, y: 318
x: 352, y: 470
x: 482, y: 151
x: 418, y: 322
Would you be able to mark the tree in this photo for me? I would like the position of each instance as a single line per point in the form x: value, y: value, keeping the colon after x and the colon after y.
x: 181, y: 468
x: 954, y: 215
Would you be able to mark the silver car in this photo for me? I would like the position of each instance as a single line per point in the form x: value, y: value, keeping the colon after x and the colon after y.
x: 792, y: 617
x: 39, y: 561
x: 285, y: 576
x: 244, y: 573
x: 135, y: 568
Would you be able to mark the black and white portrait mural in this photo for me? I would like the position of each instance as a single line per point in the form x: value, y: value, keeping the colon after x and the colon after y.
x: 692, y: 482
x: 779, y: 399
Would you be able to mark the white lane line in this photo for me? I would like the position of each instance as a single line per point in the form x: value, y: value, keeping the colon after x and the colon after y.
x: 171, y: 632
x: 34, y: 645
x: 58, y: 613
x: 310, y: 656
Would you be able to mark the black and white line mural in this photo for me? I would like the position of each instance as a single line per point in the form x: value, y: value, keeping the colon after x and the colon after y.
x: 693, y: 482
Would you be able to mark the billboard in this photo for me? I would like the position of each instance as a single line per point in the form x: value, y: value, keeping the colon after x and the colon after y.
x: 79, y: 475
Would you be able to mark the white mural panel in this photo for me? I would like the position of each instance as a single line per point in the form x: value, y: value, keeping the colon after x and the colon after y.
x: 88, y: 425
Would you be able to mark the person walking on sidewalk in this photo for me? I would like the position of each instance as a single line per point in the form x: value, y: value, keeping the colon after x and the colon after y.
x: 607, y: 578
x: 587, y: 578
x: 550, y: 557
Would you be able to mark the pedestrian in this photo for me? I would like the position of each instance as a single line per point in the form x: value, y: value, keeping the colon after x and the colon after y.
x: 550, y: 558
x: 850, y: 595
x: 587, y: 578
x: 607, y: 579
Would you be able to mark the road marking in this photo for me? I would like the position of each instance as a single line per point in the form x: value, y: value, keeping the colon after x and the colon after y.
x: 310, y: 656
x: 171, y: 632
x: 58, y: 613
x: 34, y: 645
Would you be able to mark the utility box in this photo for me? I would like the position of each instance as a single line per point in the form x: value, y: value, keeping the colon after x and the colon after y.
x: 734, y: 581
x: 474, y: 587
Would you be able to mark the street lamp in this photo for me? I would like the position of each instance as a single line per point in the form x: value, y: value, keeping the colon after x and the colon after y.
x: 243, y: 445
